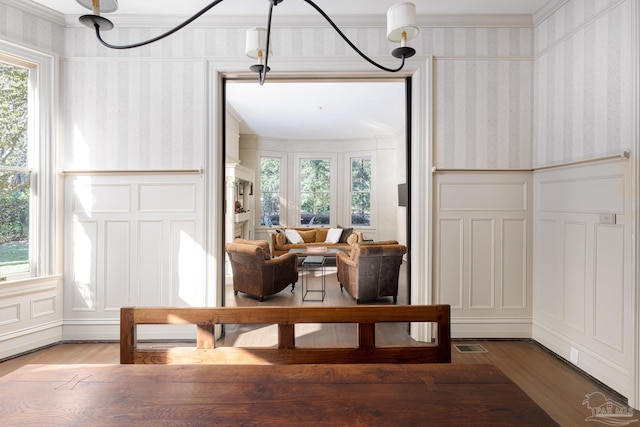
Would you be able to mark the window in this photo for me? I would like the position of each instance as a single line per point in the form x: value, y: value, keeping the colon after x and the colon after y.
x: 361, y: 191
x: 14, y: 169
x: 315, y: 191
x: 270, y: 178
x: 27, y: 184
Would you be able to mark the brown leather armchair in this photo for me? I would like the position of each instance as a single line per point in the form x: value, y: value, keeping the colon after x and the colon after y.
x: 255, y: 273
x: 370, y: 271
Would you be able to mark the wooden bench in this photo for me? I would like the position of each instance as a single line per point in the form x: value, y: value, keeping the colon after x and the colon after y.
x: 286, y: 351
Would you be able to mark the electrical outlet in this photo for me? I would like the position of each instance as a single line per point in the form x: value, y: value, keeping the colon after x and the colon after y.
x: 607, y: 218
x: 574, y: 355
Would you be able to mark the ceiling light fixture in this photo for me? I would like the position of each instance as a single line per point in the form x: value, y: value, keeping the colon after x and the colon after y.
x: 401, y: 27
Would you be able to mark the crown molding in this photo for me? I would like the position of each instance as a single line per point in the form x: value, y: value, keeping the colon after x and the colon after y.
x: 547, y: 10
x: 476, y: 21
x: 37, y: 10
x: 311, y: 21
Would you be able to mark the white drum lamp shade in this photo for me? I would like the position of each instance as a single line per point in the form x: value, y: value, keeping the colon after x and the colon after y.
x: 401, y: 18
x: 98, y: 6
x: 256, y: 43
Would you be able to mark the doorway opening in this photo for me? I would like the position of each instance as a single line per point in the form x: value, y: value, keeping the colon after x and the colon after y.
x: 342, y: 124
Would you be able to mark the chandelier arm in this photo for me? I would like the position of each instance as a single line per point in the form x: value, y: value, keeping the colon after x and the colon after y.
x: 263, y: 74
x: 161, y: 36
x: 353, y: 46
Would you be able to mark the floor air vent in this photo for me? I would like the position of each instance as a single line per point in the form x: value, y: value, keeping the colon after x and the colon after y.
x: 470, y: 348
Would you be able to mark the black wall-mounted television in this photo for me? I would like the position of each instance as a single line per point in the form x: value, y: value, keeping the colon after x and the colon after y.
x: 402, y: 194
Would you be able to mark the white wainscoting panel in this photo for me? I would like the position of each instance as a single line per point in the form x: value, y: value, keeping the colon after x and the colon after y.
x: 609, y: 325
x: 450, y: 258
x: 30, y: 314
x: 150, y: 261
x: 482, y: 283
x: 482, y: 256
x: 514, y: 261
x: 583, y: 278
x: 574, y: 278
x: 131, y: 240
x: 117, y: 256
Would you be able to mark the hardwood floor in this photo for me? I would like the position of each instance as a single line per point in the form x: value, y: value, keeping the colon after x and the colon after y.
x: 552, y: 383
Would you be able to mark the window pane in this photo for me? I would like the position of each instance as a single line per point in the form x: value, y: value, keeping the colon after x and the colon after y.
x: 361, y: 191
x: 315, y: 208
x: 361, y: 209
x: 315, y: 176
x: 14, y: 184
x: 13, y: 115
x: 315, y: 192
x: 361, y: 174
x: 14, y: 222
x: 270, y: 191
x: 269, y: 174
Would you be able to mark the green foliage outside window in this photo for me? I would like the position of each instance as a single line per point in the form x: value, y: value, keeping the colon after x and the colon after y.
x: 361, y: 191
x: 270, y: 191
x: 315, y: 192
x: 14, y: 184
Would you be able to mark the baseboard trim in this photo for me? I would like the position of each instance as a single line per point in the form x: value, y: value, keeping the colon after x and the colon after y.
x: 604, y: 371
x: 30, y: 340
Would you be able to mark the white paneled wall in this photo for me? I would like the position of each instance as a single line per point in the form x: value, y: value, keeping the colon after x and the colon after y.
x: 482, y: 256
x: 583, y: 284
x: 131, y: 240
x: 30, y: 314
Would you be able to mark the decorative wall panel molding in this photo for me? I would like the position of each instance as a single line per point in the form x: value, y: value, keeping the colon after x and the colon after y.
x: 584, y: 277
x: 482, y: 254
x: 30, y: 314
x: 144, y: 246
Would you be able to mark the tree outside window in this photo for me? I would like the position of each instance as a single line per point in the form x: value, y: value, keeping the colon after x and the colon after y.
x: 14, y: 173
x: 315, y: 191
x: 270, y: 191
x: 361, y: 191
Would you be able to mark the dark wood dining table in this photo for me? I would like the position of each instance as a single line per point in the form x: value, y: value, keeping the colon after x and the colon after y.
x: 265, y: 395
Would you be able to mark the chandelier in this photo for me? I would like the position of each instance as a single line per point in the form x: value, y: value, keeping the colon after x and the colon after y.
x: 401, y: 27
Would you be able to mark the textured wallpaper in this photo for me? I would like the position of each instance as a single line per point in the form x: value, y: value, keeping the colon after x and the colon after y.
x: 505, y: 98
x: 583, y: 80
x: 483, y: 98
x: 29, y: 30
x: 139, y: 114
x: 483, y: 88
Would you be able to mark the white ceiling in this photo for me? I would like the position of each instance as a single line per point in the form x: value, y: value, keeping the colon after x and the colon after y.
x: 317, y: 110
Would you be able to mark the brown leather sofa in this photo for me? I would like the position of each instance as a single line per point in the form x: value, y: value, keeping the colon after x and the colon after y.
x: 256, y: 273
x: 371, y: 271
x: 312, y: 236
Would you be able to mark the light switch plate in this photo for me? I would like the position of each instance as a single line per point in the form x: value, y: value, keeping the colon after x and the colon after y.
x: 607, y: 218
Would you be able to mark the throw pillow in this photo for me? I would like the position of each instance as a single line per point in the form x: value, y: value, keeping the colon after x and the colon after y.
x: 346, y: 232
x: 321, y: 234
x: 308, y: 236
x: 353, y: 238
x: 293, y: 237
x: 333, y: 236
x: 281, y: 239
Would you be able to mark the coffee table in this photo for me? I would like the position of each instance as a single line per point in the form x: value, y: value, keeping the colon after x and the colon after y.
x: 309, y: 265
x: 303, y: 252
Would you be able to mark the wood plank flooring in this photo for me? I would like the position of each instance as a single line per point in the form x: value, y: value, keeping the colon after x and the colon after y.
x: 552, y: 383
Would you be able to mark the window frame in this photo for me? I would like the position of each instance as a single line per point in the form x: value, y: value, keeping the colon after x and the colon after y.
x: 43, y: 211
